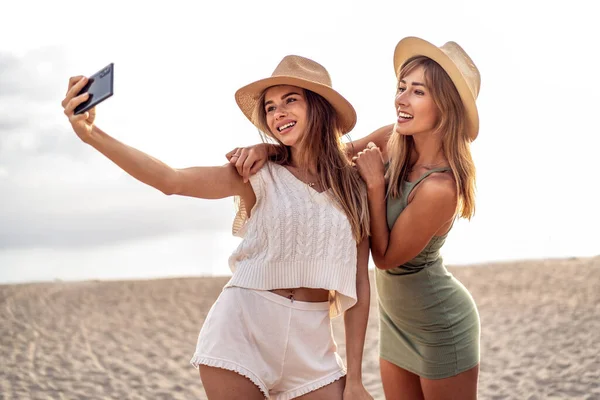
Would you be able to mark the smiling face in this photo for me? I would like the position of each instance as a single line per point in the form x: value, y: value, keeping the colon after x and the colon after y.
x: 286, y: 113
x: 416, y: 110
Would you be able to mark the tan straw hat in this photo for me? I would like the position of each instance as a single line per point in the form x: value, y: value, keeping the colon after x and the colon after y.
x: 304, y: 73
x: 457, y: 64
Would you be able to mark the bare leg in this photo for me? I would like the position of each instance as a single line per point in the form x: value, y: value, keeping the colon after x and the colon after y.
x: 222, y: 384
x: 399, y: 383
x: 333, y: 391
x: 460, y: 387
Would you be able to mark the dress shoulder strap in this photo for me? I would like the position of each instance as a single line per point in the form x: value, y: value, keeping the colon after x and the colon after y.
x: 411, y: 185
x: 426, y: 174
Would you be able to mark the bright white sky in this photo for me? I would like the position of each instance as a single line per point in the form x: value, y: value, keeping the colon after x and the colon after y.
x: 67, y: 213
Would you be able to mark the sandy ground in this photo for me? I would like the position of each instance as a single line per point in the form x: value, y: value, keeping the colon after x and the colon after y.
x: 133, y: 339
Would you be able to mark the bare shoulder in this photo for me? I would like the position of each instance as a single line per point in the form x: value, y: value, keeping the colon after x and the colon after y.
x: 438, y: 190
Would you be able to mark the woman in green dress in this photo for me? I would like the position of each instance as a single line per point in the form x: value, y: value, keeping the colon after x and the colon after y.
x: 417, y: 186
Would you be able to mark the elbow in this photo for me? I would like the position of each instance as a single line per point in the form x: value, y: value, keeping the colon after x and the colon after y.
x: 169, y: 189
x: 378, y: 259
x: 389, y: 264
x: 363, y: 302
x: 363, y: 294
x: 170, y: 185
x: 383, y: 264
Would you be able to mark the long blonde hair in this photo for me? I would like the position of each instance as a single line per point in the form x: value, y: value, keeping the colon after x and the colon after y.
x: 322, y: 146
x: 452, y: 128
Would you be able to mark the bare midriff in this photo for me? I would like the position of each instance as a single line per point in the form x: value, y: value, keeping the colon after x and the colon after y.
x: 304, y: 294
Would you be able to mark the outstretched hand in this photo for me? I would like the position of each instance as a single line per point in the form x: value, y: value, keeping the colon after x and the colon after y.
x: 82, y: 124
x: 248, y: 160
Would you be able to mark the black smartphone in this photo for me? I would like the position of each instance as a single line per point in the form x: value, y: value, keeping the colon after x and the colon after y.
x: 100, y: 88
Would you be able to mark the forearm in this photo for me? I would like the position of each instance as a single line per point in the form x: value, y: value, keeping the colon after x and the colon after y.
x: 355, y: 321
x: 380, y: 137
x: 138, y: 164
x: 380, y: 234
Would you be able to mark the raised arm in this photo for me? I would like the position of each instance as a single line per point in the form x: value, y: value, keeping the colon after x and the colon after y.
x: 248, y: 160
x: 380, y: 137
x: 202, y: 182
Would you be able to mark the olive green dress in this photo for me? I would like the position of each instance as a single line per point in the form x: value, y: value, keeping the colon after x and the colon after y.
x: 429, y: 324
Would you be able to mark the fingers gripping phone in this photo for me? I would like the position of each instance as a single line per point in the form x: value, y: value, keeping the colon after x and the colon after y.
x: 100, y: 88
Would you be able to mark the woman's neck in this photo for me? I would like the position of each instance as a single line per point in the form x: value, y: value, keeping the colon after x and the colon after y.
x: 296, y: 162
x: 428, y: 152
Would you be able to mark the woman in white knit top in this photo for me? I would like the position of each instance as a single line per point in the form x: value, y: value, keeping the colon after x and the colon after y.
x: 303, y: 259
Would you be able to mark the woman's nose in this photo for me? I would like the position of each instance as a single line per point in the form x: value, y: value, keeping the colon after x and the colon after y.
x: 280, y: 112
x: 400, y: 99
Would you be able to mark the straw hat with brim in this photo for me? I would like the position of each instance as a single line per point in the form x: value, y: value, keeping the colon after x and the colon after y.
x: 457, y: 64
x: 304, y: 73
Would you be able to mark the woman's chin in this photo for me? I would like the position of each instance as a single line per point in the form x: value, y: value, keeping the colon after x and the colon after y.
x: 288, y: 141
x: 400, y: 130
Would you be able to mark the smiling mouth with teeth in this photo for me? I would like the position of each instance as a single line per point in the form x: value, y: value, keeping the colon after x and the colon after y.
x: 288, y: 125
x: 404, y: 115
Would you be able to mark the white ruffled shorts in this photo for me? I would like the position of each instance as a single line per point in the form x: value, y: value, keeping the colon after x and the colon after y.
x: 286, y: 348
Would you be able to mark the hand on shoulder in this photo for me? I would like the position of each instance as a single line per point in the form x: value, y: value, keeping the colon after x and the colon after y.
x: 248, y: 160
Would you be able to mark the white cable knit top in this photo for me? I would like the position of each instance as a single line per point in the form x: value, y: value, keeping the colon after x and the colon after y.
x: 294, y: 237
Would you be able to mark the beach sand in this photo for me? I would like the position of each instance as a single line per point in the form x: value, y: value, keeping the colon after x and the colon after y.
x: 134, y: 339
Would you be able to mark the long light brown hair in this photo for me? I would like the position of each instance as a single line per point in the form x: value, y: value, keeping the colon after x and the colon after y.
x: 321, y: 145
x: 451, y: 126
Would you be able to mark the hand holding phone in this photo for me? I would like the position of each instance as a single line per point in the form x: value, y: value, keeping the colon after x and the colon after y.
x: 99, y: 87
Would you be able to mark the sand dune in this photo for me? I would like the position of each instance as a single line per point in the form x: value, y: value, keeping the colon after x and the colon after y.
x: 133, y: 339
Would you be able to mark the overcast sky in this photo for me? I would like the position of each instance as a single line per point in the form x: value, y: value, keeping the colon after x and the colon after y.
x: 68, y: 213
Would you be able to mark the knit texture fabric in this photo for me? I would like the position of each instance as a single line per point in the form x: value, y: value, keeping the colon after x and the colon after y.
x: 294, y: 237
